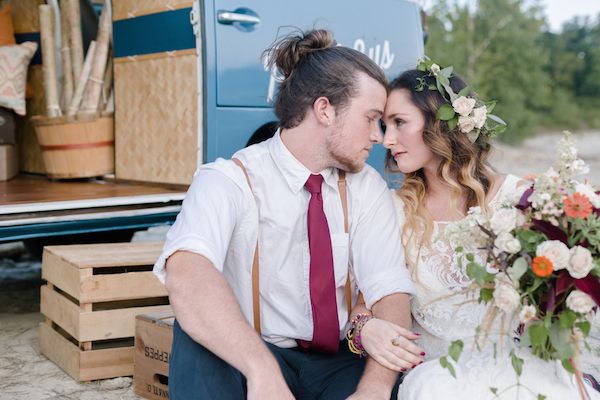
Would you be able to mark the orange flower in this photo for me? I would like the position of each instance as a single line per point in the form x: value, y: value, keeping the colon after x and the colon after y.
x: 578, y: 206
x: 542, y: 266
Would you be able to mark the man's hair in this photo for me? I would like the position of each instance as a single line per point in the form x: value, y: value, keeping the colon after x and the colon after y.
x: 313, y: 66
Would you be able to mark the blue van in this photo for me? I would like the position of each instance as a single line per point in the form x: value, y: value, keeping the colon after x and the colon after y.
x: 235, y: 97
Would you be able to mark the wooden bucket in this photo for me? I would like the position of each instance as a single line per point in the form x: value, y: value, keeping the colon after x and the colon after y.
x: 77, y: 147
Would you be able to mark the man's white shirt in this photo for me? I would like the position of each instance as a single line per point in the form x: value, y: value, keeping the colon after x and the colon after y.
x: 219, y: 220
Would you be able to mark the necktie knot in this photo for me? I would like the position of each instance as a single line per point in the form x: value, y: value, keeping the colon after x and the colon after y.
x: 313, y: 183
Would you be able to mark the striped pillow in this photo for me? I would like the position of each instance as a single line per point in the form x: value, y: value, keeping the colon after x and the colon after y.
x: 14, y: 61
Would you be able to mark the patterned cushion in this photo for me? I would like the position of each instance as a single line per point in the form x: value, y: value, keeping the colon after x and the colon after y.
x: 7, y: 35
x: 14, y: 61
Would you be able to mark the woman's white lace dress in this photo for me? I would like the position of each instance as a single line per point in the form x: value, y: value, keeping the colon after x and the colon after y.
x: 443, y: 311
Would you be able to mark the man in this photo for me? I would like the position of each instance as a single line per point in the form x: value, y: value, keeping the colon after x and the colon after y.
x: 328, y: 106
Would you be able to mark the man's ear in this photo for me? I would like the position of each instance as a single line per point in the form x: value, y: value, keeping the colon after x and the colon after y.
x: 324, y: 111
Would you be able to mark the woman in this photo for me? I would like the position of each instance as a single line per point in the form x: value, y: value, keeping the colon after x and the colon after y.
x: 447, y: 172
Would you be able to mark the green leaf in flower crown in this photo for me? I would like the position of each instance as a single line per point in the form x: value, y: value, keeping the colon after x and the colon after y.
x: 446, y: 73
x: 561, y: 341
x: 455, y: 350
x: 452, y: 123
x: 517, y: 363
x: 566, y: 363
x: 445, y: 364
x: 446, y: 112
x: 585, y: 327
x: 538, y: 334
x: 489, y: 106
x: 567, y: 319
x: 518, y: 269
x: 464, y: 91
x: 496, y: 119
x: 473, y: 135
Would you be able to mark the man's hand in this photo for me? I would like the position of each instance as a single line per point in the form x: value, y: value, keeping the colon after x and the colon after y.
x: 268, y: 385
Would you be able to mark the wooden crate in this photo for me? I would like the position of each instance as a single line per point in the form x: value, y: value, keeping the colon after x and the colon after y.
x: 90, y: 301
x: 153, y: 338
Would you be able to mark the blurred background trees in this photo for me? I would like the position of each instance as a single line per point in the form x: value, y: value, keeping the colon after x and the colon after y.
x: 543, y: 80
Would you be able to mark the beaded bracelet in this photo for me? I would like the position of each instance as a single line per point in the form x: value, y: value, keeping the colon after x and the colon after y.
x: 354, y: 334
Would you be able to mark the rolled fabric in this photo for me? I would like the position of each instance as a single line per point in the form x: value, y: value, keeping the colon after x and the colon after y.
x: 75, y: 39
x: 49, y: 68
x: 85, y: 73
x: 67, y: 93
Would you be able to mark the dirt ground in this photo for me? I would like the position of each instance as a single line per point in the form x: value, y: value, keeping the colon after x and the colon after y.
x: 26, y: 374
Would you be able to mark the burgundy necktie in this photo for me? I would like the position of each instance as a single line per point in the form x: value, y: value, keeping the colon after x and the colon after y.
x: 326, y: 327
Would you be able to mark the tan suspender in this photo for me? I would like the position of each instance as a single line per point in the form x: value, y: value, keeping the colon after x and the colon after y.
x: 255, y: 282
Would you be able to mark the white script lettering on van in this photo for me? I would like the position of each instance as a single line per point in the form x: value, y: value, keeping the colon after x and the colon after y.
x: 381, y: 55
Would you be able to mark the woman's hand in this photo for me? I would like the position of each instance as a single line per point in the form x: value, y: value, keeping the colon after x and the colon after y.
x: 391, y: 345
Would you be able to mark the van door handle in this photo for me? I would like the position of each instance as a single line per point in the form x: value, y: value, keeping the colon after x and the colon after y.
x: 229, y: 17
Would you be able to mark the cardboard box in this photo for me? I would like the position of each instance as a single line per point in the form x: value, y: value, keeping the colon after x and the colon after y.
x: 7, y: 127
x: 153, y: 339
x: 90, y: 302
x: 9, y: 164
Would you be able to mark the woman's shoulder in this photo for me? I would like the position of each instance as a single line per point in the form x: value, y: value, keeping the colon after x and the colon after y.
x: 510, y: 189
x: 398, y: 205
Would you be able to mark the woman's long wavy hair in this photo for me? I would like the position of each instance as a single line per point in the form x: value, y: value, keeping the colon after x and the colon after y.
x: 464, y: 166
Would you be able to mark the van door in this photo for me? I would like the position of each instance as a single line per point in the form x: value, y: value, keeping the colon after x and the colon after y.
x: 239, y: 87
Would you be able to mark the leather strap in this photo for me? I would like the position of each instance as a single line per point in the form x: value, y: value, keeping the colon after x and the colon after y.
x: 255, y: 276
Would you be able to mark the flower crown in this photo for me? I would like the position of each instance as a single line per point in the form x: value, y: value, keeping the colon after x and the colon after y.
x: 473, y: 117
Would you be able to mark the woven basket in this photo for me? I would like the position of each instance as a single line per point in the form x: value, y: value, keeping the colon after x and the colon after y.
x: 76, y: 147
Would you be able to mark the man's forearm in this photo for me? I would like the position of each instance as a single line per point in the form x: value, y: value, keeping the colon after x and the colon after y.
x: 377, y: 378
x: 207, y: 310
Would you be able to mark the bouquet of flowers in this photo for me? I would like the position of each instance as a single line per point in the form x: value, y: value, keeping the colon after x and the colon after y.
x: 541, y: 263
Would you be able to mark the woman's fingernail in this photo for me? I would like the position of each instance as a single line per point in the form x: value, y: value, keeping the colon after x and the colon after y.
x: 402, y: 369
x: 415, y: 366
x: 422, y: 353
x: 416, y: 333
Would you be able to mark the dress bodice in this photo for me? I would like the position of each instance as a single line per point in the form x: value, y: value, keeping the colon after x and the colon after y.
x: 444, y: 307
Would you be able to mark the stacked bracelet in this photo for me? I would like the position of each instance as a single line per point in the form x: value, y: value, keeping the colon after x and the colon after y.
x: 354, y: 334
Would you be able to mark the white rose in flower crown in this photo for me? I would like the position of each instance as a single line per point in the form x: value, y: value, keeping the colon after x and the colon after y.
x: 504, y: 220
x: 435, y: 69
x: 527, y: 313
x: 463, y: 105
x: 556, y: 251
x: 588, y: 191
x: 479, y: 116
x: 507, y: 243
x: 581, y: 262
x: 580, y: 302
x: 466, y: 124
x: 506, y: 298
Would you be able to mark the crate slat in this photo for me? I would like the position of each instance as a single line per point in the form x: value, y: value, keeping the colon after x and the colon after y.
x: 129, y: 285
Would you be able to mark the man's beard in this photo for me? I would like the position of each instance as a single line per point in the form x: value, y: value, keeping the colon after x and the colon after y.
x: 335, y: 145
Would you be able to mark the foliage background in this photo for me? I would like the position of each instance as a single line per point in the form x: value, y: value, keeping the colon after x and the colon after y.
x: 543, y: 81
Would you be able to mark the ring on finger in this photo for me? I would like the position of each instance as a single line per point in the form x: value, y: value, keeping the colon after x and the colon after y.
x: 396, y: 341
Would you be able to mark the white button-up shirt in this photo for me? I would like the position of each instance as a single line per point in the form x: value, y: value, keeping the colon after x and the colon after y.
x: 221, y: 218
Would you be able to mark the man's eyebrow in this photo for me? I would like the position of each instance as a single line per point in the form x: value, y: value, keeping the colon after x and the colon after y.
x: 376, y: 111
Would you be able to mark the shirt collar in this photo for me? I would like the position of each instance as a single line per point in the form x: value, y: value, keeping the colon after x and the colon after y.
x: 293, y: 171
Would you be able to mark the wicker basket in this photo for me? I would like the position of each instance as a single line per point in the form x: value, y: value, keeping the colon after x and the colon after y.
x: 77, y: 147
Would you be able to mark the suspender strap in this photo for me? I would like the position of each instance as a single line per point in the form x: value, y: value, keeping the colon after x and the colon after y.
x: 342, y: 189
x: 255, y: 282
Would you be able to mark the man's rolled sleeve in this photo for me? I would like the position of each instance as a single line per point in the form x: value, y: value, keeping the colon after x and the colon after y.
x: 206, y: 222
x: 376, y: 250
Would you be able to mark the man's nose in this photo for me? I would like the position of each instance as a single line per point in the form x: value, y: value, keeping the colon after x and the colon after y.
x: 376, y: 135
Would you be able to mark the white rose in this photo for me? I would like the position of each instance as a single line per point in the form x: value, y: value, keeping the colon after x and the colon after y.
x: 581, y: 262
x: 466, y: 124
x: 588, y: 191
x: 527, y: 313
x: 479, y: 116
x: 507, y: 243
x: 580, y: 302
x: 504, y: 220
x: 463, y: 105
x: 435, y: 69
x: 506, y: 298
x: 556, y: 251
